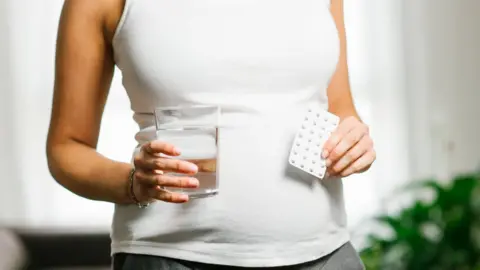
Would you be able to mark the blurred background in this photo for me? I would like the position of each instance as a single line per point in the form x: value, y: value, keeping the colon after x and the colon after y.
x: 415, y: 75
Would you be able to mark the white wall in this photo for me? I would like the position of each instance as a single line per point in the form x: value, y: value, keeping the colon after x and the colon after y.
x: 10, y: 188
x: 443, y: 56
x: 377, y: 79
x: 456, y: 80
x: 387, y: 93
x: 28, y: 61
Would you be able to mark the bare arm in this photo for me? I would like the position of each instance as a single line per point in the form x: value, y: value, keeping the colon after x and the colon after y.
x: 339, y: 94
x: 349, y: 149
x: 84, y: 70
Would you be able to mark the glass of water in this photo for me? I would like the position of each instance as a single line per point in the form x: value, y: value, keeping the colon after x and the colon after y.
x: 193, y: 129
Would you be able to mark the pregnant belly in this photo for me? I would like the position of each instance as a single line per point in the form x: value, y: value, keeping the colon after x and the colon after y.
x: 261, y: 197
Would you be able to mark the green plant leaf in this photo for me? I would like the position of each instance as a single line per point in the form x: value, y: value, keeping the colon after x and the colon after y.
x: 443, y: 234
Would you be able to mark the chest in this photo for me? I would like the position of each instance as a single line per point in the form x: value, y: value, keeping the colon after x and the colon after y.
x: 236, y: 46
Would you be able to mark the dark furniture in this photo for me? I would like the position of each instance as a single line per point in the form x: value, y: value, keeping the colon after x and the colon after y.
x: 55, y: 249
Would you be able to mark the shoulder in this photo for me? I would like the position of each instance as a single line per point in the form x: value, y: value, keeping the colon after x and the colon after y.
x: 105, y: 14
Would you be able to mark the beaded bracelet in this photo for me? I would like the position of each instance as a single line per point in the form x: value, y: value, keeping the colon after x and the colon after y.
x: 131, y: 178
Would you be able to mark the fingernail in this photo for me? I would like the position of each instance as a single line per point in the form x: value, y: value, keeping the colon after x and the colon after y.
x: 183, y: 197
x: 193, y: 167
x: 328, y: 162
x: 176, y: 151
x: 193, y: 182
x: 324, y: 154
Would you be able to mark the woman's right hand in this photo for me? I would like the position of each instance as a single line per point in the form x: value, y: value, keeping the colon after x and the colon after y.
x: 152, y: 173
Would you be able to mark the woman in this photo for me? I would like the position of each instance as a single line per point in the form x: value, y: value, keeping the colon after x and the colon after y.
x: 263, y: 60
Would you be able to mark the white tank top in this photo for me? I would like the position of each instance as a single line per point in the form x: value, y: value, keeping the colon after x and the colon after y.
x: 263, y: 62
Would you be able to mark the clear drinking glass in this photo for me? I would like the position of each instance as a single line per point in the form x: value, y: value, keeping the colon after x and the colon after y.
x: 194, y: 131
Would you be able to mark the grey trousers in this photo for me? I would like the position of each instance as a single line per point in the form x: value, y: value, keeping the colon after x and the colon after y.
x: 344, y: 258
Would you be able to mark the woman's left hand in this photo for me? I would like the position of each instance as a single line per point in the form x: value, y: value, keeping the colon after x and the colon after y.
x: 349, y: 149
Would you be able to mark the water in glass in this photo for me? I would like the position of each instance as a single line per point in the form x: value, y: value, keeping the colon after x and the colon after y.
x: 194, y: 131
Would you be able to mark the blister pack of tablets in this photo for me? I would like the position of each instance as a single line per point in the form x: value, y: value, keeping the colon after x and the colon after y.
x: 306, y: 152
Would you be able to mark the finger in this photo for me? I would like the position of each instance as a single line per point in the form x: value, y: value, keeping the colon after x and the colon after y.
x: 144, y: 178
x: 360, y: 164
x: 160, y: 179
x: 171, y: 197
x: 150, y: 163
x: 177, y: 181
x: 349, y: 141
x: 336, y: 136
x: 173, y: 165
x: 156, y: 147
x: 146, y: 160
x: 351, y: 156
